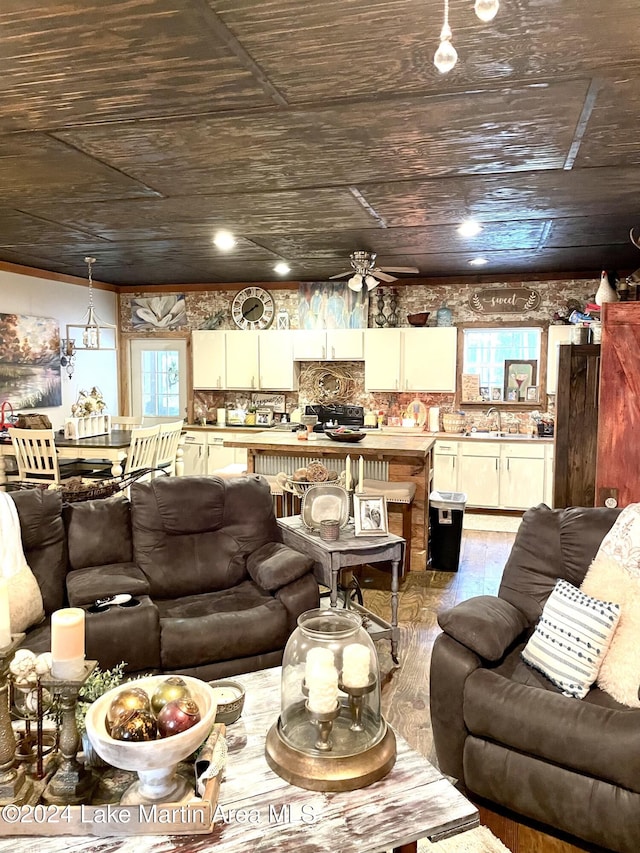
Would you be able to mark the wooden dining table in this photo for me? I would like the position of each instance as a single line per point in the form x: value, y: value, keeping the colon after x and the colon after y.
x: 112, y: 447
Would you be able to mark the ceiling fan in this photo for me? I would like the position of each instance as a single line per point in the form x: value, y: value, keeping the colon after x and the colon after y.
x: 364, y: 270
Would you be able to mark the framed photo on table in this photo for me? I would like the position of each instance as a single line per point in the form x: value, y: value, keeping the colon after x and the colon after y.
x: 370, y: 515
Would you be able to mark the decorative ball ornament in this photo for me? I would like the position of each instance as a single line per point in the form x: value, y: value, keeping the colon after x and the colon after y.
x: 173, y: 688
x: 177, y: 716
x: 135, y: 726
x: 128, y: 700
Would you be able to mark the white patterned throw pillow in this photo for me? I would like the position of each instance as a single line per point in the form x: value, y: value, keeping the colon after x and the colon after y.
x: 571, y: 638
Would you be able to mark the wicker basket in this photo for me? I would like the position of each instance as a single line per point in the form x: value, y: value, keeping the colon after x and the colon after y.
x: 77, y: 489
x: 452, y: 422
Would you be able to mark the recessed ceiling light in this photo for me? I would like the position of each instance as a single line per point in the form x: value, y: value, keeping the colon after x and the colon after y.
x: 282, y: 268
x: 478, y: 262
x: 469, y: 228
x: 224, y: 240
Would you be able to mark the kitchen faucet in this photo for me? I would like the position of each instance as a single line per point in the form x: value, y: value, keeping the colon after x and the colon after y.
x: 495, y: 411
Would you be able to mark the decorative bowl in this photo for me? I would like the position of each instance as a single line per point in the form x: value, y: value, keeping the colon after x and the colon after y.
x: 155, y: 760
x: 334, y: 435
x: 230, y: 700
x: 419, y: 319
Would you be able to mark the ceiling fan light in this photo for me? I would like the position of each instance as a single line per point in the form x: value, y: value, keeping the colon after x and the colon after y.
x: 355, y: 282
x: 371, y: 282
x: 282, y: 268
x: 224, y: 240
x: 446, y: 55
x: 486, y: 10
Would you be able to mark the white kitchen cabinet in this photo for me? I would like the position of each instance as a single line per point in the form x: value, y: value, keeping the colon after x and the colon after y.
x: 557, y: 335
x: 479, y: 473
x: 328, y: 345
x: 218, y: 456
x: 209, y: 359
x: 429, y: 359
x: 195, y: 454
x: 277, y: 368
x: 410, y: 359
x: 521, y: 475
x: 382, y: 359
x: 243, y: 361
x: 445, y: 466
x: 548, y: 475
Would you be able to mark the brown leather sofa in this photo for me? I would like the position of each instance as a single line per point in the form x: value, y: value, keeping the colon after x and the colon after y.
x: 215, y: 592
x: 503, y: 730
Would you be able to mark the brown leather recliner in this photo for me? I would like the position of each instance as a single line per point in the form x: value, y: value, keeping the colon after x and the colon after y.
x: 216, y: 592
x: 504, y: 731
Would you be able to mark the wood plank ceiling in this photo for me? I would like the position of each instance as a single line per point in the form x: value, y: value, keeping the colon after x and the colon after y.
x: 132, y: 130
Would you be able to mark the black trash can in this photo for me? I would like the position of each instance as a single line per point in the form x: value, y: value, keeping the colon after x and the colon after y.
x: 445, y: 522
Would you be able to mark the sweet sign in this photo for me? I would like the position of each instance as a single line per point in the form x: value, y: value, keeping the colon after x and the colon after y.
x: 504, y: 300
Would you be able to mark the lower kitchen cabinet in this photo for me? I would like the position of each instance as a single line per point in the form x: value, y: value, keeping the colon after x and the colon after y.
x: 205, y: 453
x: 495, y: 474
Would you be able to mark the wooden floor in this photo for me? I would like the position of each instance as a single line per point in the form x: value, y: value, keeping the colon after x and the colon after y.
x: 405, y: 693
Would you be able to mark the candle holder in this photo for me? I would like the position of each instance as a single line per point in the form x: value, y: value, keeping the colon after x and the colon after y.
x: 324, y: 722
x: 15, y: 787
x: 71, y: 783
x: 323, y: 751
x: 356, y: 701
x: 30, y: 703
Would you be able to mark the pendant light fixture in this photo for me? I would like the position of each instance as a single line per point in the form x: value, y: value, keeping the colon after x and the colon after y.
x: 93, y: 333
x: 446, y: 54
x: 486, y: 10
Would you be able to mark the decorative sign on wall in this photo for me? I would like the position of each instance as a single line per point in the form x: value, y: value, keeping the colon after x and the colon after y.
x: 504, y: 300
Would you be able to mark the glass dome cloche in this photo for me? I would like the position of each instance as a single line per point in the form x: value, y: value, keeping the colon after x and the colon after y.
x: 330, y: 735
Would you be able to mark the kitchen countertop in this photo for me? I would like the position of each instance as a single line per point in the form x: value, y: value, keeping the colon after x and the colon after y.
x: 374, y: 444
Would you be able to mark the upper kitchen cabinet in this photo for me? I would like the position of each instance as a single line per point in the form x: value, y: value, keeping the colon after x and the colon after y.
x: 243, y: 360
x: 277, y: 368
x: 328, y: 345
x: 410, y: 359
x: 209, y: 359
x: 557, y: 335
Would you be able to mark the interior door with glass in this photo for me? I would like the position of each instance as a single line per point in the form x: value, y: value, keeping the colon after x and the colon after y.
x: 158, y: 379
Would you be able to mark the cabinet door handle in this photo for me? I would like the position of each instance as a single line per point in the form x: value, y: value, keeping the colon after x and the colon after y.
x: 507, y: 463
x: 496, y: 463
x: 333, y: 352
x: 454, y: 461
x: 253, y: 381
x: 324, y: 352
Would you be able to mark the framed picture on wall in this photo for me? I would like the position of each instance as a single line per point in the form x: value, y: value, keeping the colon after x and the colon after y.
x: 518, y: 376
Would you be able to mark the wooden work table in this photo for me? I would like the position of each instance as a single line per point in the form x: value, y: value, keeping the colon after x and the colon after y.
x: 397, y: 458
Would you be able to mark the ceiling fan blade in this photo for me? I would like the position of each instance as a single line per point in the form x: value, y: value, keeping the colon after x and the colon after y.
x: 382, y: 275
x: 400, y: 269
x: 341, y: 275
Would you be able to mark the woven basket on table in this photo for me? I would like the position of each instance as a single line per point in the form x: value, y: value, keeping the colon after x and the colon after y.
x: 452, y: 422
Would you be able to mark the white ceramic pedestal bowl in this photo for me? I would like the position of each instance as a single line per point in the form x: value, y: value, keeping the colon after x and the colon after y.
x: 154, y: 761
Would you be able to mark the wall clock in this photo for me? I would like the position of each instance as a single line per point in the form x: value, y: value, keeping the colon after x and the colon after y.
x: 252, y: 308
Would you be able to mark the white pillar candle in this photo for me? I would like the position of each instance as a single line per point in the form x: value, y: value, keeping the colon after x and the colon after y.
x: 67, y: 643
x: 360, y: 475
x: 317, y: 658
x: 347, y: 474
x: 5, y: 618
x: 356, y: 665
x: 323, y: 690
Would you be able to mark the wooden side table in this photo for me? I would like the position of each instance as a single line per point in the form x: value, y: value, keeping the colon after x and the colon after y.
x: 350, y: 550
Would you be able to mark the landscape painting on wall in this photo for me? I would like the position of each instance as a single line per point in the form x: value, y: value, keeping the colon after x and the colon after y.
x: 325, y: 305
x: 30, y: 361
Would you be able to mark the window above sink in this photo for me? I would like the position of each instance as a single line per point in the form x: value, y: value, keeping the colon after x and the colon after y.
x: 501, y: 365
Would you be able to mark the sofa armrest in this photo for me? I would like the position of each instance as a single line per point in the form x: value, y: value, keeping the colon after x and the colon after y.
x: 486, y: 625
x: 85, y: 585
x: 298, y: 597
x: 275, y: 565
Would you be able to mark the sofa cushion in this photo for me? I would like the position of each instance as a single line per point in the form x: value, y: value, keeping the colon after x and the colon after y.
x: 571, y: 638
x: 275, y: 565
x: 485, y: 624
x: 192, y: 535
x: 44, y: 542
x: 552, y: 544
x: 619, y: 673
x: 223, y: 625
x: 595, y: 741
x: 98, y: 532
x: 85, y: 585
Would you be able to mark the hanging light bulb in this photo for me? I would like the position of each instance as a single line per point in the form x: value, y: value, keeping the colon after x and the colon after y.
x: 371, y: 282
x: 486, y: 10
x: 446, y: 54
x: 355, y: 282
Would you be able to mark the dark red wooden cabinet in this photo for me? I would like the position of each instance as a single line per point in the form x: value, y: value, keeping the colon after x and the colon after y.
x: 618, y: 458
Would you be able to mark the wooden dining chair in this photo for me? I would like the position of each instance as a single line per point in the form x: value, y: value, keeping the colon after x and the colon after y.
x: 126, y: 421
x: 37, y: 457
x: 142, y: 450
x: 167, y: 447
